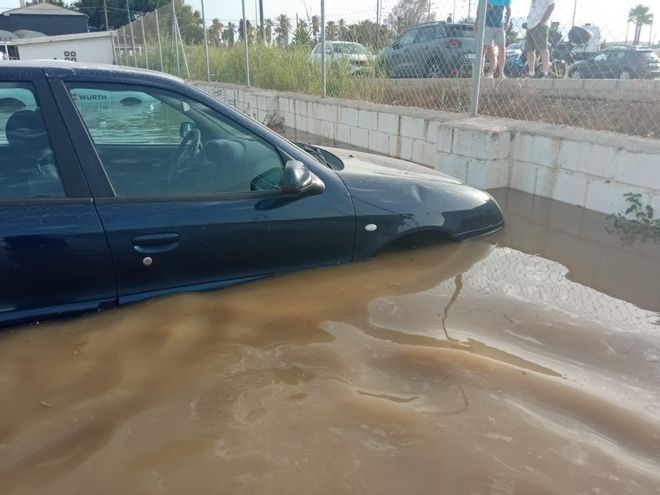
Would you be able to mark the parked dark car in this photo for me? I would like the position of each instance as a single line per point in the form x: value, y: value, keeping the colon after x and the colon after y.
x: 618, y: 63
x: 117, y: 185
x: 436, y: 49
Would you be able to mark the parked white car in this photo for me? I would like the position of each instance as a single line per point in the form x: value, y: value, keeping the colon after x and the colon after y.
x: 355, y: 54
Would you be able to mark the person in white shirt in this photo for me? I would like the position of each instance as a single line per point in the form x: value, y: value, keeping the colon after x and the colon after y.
x: 538, y: 22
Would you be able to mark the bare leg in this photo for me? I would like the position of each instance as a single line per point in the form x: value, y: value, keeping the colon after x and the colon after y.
x: 483, y: 59
x: 545, y: 60
x: 490, y: 53
x: 531, y: 62
x: 501, y: 60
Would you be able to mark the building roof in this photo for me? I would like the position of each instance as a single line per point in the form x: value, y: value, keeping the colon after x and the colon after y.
x: 60, y: 37
x: 42, y: 9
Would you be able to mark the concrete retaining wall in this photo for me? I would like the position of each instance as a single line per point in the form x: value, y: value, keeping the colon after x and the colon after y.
x: 592, y: 169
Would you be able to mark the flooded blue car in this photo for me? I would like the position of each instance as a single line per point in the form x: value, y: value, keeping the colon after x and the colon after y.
x: 118, y: 185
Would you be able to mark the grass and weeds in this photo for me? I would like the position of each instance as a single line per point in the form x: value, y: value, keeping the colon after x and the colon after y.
x: 289, y: 69
x: 638, y: 222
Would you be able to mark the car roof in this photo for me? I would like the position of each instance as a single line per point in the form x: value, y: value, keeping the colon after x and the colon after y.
x: 441, y: 23
x: 62, y: 67
x: 628, y: 48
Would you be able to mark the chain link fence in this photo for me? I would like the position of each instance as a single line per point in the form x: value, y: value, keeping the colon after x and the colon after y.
x: 596, y: 70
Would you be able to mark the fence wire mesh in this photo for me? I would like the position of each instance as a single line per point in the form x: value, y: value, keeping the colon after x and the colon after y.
x: 594, y: 70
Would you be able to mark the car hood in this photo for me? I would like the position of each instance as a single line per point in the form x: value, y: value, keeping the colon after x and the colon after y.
x: 358, y: 165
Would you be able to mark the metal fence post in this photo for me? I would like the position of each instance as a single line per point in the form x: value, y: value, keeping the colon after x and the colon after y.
x: 478, y: 60
x: 206, y: 45
x: 245, y: 48
x: 324, y: 89
x: 130, y: 24
x: 144, y: 42
x: 160, y: 47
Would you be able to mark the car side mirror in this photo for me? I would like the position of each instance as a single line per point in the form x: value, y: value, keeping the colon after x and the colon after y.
x: 298, y: 180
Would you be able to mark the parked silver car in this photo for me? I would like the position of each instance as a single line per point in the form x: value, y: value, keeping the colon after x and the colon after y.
x: 354, y: 54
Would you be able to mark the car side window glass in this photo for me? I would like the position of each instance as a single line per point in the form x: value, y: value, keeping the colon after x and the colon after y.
x: 408, y: 37
x: 601, y: 58
x: 156, y: 143
x: 27, y: 164
x: 425, y: 35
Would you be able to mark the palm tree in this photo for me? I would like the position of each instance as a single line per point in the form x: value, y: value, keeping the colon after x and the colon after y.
x: 301, y: 35
x: 228, y: 33
x: 640, y: 16
x: 283, y: 26
x: 268, y: 31
x: 341, y: 28
x: 215, y: 31
x: 331, y: 30
x: 316, y: 26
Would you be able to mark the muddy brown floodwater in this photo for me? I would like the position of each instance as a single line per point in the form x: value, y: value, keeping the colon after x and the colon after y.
x: 524, y: 363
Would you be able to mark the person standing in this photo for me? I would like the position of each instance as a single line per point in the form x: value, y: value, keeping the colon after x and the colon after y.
x: 538, y: 22
x: 497, y: 24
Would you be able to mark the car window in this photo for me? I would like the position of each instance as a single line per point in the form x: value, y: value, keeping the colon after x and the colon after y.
x: 408, y: 37
x: 27, y: 165
x: 460, y: 31
x: 616, y: 56
x: 349, y: 48
x: 649, y: 56
x: 153, y: 142
x: 426, y: 34
x: 601, y: 58
x: 114, y: 116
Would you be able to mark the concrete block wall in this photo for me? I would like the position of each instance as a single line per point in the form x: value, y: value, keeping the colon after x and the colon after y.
x: 592, y: 169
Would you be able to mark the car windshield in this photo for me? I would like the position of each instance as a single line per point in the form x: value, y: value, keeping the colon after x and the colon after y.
x: 349, y: 48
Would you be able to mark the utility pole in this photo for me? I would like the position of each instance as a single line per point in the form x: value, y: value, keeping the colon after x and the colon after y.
x: 261, y: 19
x: 574, y: 11
x: 105, y: 12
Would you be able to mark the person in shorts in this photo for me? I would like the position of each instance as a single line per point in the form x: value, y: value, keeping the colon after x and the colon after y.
x: 495, y: 35
x: 538, y: 22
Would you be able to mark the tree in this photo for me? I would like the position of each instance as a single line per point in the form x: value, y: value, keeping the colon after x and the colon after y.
x: 283, y: 27
x: 341, y: 29
x: 268, y: 31
x: 59, y: 3
x: 316, y: 27
x: 215, y: 32
x: 331, y: 30
x: 301, y: 36
x: 117, y: 14
x: 409, y: 13
x: 229, y: 33
x: 249, y: 29
x: 640, y: 16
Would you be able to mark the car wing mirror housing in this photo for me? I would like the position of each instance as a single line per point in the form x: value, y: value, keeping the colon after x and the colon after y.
x: 299, y: 180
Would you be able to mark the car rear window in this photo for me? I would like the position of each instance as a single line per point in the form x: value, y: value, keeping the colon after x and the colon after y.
x: 460, y: 31
x: 648, y: 56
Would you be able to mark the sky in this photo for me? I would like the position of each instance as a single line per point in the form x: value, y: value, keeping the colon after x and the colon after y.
x: 609, y: 15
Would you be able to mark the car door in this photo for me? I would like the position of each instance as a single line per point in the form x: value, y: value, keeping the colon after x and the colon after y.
x: 598, y: 67
x: 209, y: 210
x: 403, y: 62
x: 54, y: 258
x: 426, y: 52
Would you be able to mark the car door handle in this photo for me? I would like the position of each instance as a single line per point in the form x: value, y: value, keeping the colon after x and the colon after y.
x: 156, y: 243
